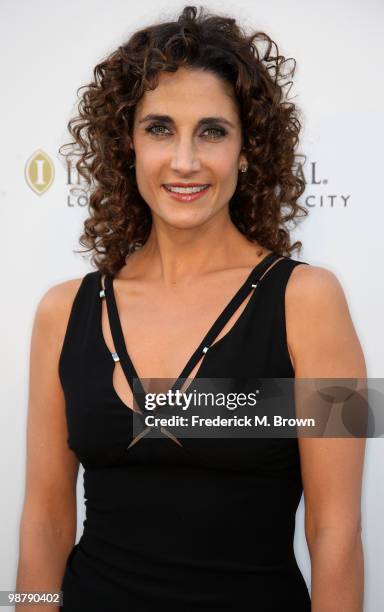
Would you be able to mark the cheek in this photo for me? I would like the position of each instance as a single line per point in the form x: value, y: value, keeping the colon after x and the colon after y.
x: 222, y: 165
x: 149, y: 171
x: 225, y: 176
x: 151, y: 161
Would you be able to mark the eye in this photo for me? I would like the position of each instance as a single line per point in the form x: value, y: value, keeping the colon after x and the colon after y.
x: 161, y: 130
x: 151, y: 129
x: 218, y: 132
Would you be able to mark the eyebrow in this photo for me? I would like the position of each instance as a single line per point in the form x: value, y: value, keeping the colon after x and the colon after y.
x: 203, y: 121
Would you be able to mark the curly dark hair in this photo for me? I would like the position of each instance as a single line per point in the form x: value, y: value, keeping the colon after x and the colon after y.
x: 265, y: 199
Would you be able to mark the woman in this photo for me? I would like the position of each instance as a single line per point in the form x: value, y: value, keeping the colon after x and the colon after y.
x: 188, y: 143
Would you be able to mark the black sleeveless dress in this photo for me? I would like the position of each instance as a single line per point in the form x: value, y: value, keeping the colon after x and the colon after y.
x: 204, y: 527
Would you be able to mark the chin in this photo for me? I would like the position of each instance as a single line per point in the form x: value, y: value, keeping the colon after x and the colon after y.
x: 185, y: 219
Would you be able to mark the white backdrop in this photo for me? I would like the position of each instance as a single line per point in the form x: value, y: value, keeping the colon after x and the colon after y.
x: 48, y: 49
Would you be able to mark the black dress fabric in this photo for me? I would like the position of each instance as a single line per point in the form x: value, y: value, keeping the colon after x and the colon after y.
x: 201, y: 527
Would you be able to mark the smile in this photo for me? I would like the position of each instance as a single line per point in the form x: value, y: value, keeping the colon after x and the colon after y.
x: 186, y: 194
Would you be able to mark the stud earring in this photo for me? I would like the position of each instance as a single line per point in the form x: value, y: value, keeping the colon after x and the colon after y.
x: 244, y: 168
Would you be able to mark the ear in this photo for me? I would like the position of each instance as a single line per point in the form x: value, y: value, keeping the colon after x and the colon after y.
x: 242, y: 160
x: 130, y: 141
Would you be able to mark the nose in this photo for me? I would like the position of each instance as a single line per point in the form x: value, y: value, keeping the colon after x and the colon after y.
x: 184, y: 159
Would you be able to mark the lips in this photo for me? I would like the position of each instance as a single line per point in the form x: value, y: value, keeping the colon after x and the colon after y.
x: 186, y: 197
x: 185, y: 184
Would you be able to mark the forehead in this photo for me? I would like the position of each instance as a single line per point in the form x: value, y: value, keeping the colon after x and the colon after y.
x: 189, y: 92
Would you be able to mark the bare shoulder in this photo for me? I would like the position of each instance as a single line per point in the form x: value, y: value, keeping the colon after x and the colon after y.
x: 320, y: 332
x: 308, y: 282
x: 54, y: 307
x: 60, y: 295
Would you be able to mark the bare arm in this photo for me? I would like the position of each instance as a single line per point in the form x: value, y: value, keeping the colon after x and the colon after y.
x: 324, y: 344
x: 48, y: 521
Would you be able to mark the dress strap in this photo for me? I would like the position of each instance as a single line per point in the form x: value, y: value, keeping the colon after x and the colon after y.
x: 251, y: 284
x: 120, y: 353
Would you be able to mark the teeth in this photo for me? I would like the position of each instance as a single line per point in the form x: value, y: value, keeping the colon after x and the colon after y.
x: 186, y: 189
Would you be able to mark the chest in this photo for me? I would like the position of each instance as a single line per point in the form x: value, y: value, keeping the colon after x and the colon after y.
x: 162, y: 332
